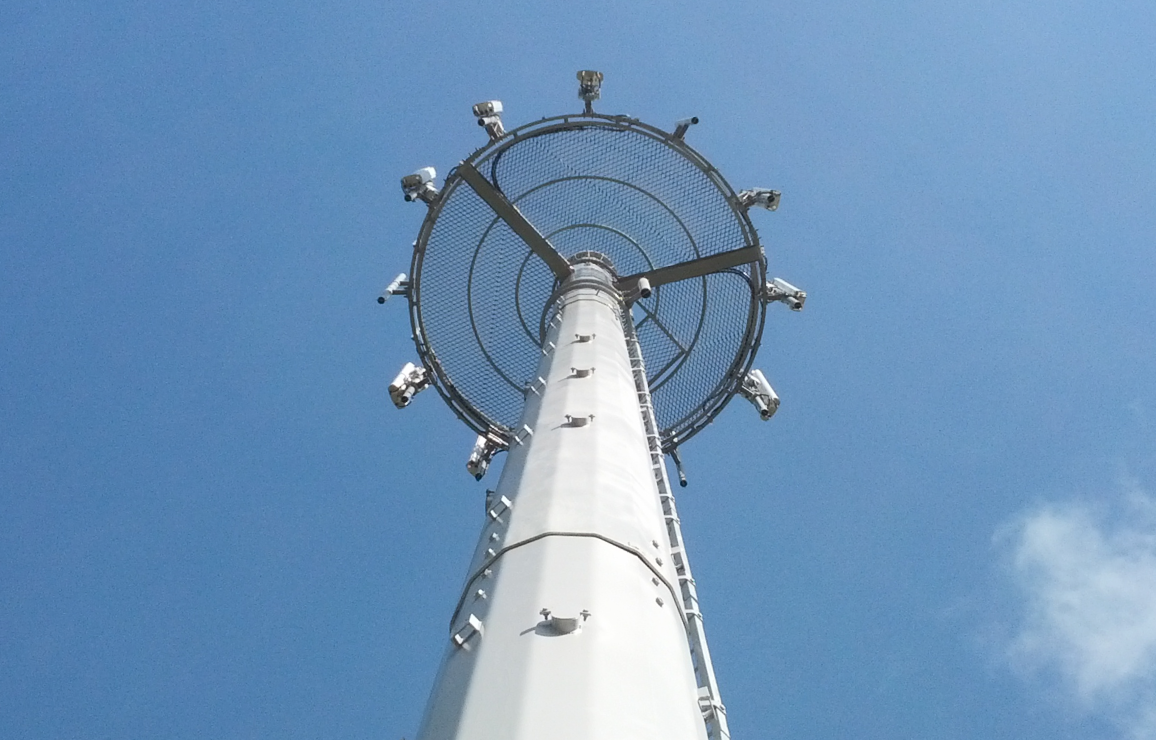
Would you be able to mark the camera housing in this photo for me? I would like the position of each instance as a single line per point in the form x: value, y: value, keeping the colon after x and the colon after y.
x: 759, y: 392
x: 488, y: 108
x: 680, y: 127
x: 589, y: 85
x: 760, y: 197
x: 419, y: 185
x: 489, y: 115
x: 782, y: 291
x: 408, y: 383
x: 399, y: 286
x: 483, y: 453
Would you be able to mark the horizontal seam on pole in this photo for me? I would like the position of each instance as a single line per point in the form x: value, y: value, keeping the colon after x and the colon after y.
x: 675, y: 596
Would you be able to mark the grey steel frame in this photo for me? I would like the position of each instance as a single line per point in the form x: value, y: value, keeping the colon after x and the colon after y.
x: 751, y: 253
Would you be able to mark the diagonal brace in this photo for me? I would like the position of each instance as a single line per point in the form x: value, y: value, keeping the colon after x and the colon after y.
x: 509, y: 213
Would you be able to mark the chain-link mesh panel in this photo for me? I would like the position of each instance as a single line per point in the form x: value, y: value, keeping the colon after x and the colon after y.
x: 617, y: 189
x: 478, y: 280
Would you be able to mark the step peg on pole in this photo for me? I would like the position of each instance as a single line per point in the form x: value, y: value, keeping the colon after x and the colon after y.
x: 504, y: 505
x: 473, y: 627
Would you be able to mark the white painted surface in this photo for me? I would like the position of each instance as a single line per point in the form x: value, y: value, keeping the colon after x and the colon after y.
x: 585, y: 532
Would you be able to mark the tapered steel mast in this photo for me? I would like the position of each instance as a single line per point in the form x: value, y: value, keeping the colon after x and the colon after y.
x: 554, y: 265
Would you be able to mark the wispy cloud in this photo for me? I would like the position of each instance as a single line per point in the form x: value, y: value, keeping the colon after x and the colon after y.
x: 1087, y: 577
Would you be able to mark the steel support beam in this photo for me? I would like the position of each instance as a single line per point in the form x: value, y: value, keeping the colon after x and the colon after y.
x: 509, y: 213
x: 693, y: 268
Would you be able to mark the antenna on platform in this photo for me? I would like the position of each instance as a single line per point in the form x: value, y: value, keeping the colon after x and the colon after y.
x: 587, y: 293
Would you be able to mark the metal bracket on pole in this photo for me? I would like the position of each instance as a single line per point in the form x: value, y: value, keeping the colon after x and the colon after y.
x: 678, y: 466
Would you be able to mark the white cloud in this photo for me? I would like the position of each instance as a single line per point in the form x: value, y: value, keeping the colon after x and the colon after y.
x: 1088, y: 580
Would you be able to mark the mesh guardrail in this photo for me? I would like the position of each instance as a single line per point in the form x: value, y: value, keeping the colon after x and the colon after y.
x: 587, y: 184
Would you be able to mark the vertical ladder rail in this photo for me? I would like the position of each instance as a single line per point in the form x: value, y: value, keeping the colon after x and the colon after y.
x: 710, y: 703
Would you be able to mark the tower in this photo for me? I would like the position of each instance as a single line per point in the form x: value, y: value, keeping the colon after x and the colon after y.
x: 587, y: 293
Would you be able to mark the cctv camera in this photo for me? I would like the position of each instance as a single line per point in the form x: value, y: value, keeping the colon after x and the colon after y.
x: 484, y: 450
x: 780, y: 290
x: 759, y: 392
x: 760, y: 197
x: 680, y: 127
x: 419, y: 185
x: 399, y: 286
x: 407, y: 384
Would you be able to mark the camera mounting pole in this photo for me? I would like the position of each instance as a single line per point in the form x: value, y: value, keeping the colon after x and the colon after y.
x: 559, y: 302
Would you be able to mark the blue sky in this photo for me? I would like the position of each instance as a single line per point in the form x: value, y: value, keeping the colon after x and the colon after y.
x: 213, y: 523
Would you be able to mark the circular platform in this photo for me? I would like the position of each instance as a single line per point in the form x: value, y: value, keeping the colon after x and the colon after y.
x: 587, y: 183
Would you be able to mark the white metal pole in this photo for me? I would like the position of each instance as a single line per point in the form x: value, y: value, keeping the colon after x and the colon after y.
x: 573, y: 622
